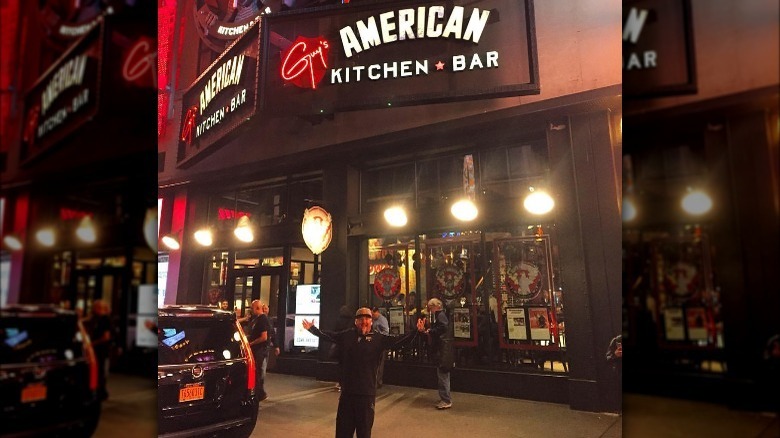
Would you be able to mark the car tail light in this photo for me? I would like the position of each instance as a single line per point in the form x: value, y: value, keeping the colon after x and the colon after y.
x: 89, y: 355
x: 250, y: 360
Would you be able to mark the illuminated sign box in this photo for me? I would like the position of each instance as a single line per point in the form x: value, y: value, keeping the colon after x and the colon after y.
x: 65, y: 97
x: 379, y: 55
x: 223, y: 97
x: 658, y: 49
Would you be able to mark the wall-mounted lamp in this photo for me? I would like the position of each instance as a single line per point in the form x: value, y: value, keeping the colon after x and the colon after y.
x: 396, y: 216
x: 243, y: 230
x: 86, y: 230
x: 204, y: 236
x: 46, y: 237
x: 538, y: 202
x: 171, y: 242
x: 464, y: 210
x: 696, y: 202
x: 12, y: 242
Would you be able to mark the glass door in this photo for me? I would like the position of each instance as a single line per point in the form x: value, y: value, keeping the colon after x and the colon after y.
x: 245, y: 288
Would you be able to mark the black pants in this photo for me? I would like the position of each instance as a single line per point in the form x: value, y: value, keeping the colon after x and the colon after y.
x: 261, y: 355
x: 355, y: 414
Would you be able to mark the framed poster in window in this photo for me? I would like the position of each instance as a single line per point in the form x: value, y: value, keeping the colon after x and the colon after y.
x: 395, y: 318
x: 539, y: 322
x: 462, y: 322
x: 516, y: 323
x: 696, y: 318
x: 674, y: 324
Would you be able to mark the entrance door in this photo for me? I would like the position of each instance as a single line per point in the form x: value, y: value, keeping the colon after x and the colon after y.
x: 256, y: 283
x: 244, y: 287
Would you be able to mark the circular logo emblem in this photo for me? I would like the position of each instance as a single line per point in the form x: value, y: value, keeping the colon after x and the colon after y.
x: 387, y: 283
x: 449, y: 281
x: 682, y: 279
x: 197, y: 371
x: 220, y: 22
x: 64, y: 21
x: 524, y: 280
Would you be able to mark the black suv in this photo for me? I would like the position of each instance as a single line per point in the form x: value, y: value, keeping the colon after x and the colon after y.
x: 205, y: 373
x: 48, y: 374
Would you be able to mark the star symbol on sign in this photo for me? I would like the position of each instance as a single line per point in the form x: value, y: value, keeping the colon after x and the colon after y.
x: 439, y: 65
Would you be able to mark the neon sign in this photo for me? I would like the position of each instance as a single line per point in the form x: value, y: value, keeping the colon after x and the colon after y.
x: 304, y: 62
x: 224, y: 214
x: 140, y: 60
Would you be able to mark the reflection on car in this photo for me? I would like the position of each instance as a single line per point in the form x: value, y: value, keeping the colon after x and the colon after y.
x: 48, y: 374
x: 205, y: 373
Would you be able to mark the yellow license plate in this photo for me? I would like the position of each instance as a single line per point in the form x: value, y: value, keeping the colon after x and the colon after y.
x: 34, y: 392
x: 192, y: 392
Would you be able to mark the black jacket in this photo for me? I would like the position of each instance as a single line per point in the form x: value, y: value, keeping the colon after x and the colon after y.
x: 360, y: 355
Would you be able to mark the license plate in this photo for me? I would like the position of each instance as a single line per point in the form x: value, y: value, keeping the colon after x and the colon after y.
x: 192, y: 392
x: 34, y: 392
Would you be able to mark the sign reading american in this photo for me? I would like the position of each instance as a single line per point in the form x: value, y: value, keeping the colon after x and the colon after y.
x: 398, y: 53
x: 221, y: 98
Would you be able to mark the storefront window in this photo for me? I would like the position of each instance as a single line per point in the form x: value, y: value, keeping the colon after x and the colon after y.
x: 500, y: 291
x: 672, y: 298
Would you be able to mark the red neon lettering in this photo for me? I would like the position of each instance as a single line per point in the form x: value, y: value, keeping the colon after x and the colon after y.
x: 225, y: 214
x: 189, y: 123
x: 139, y: 60
x: 300, y: 60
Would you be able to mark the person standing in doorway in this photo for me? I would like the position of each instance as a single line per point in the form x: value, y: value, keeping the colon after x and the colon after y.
x: 380, y: 325
x: 360, y: 349
x: 101, y: 333
x: 440, y: 339
x: 258, y: 340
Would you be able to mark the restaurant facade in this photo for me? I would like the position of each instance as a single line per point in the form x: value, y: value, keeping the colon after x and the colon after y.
x: 700, y: 211
x: 323, y: 119
x: 78, y: 161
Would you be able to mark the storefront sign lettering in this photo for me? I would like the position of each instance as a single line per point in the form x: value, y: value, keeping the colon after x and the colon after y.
x: 411, y: 23
x: 413, y: 50
x: 229, y: 73
x: 68, y: 75
x: 658, y: 48
x: 221, y: 98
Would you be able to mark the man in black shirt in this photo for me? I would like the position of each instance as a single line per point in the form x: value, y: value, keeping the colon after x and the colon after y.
x: 360, y: 350
x: 258, y: 340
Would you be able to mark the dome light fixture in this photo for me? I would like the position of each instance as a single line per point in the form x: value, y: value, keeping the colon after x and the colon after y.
x: 12, y: 242
x: 464, y: 210
x: 538, y: 202
x: 204, y: 236
x: 170, y: 241
x: 46, y: 237
x: 396, y: 216
x: 696, y: 202
x: 243, y: 231
x: 86, y: 230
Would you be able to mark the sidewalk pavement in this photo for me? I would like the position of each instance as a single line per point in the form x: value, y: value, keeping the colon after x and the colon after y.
x: 304, y: 407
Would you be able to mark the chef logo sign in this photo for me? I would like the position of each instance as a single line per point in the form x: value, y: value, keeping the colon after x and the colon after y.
x: 399, y: 53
